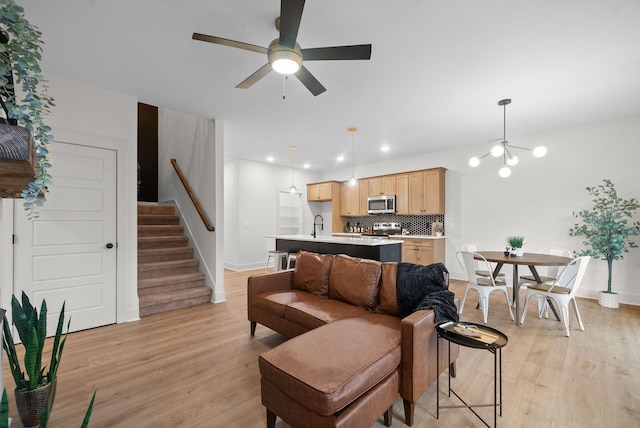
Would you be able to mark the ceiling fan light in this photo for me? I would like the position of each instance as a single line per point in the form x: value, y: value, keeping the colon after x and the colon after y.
x: 497, y: 150
x: 474, y: 161
x: 285, y: 66
x: 539, y: 151
x: 284, y: 60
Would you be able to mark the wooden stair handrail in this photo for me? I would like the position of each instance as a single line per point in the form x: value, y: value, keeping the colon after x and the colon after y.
x: 201, y: 212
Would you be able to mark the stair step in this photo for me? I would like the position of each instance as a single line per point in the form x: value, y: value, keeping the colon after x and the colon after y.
x: 167, y: 268
x: 148, y: 242
x: 156, y: 209
x: 168, y: 301
x: 181, y: 280
x: 158, y: 219
x: 164, y: 254
x: 160, y: 230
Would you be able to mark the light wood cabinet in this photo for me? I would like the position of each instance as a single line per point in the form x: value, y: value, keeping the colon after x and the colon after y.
x: 384, y: 185
x: 422, y: 251
x: 364, y: 194
x: 320, y: 192
x: 426, y: 191
x: 402, y: 194
x: 349, y: 199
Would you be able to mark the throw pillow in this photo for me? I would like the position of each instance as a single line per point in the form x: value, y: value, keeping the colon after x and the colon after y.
x: 312, y: 273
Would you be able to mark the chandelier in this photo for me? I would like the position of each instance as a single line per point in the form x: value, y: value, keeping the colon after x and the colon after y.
x: 504, y: 148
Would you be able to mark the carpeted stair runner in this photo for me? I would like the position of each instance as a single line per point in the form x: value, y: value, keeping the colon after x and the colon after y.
x: 168, y: 275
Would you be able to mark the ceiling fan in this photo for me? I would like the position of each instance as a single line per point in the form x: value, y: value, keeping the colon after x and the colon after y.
x: 285, y: 55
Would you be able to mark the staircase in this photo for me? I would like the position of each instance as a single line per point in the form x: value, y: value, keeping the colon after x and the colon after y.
x: 168, y: 275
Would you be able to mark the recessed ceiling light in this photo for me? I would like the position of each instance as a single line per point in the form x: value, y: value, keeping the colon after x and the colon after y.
x: 270, y: 159
x: 305, y: 166
x: 384, y: 148
x: 340, y: 158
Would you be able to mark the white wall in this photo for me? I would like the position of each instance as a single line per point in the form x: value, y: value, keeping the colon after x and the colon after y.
x: 251, y: 208
x: 92, y: 116
x: 538, y: 200
x: 192, y: 142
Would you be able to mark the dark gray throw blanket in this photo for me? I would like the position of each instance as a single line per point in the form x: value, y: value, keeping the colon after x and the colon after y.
x: 422, y: 287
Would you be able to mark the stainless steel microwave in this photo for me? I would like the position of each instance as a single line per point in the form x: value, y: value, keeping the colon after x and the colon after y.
x: 381, y: 204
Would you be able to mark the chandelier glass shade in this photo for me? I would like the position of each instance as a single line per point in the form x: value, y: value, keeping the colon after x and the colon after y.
x: 503, y: 149
x: 293, y: 188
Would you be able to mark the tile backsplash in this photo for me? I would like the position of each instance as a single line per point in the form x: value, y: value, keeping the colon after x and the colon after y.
x: 416, y: 224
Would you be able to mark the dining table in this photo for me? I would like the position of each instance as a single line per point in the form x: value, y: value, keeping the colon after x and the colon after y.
x: 531, y: 260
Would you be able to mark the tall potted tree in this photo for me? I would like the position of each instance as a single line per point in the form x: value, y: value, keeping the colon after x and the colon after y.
x: 606, y: 229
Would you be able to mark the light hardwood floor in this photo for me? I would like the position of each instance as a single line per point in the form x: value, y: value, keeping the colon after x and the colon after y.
x: 198, y: 367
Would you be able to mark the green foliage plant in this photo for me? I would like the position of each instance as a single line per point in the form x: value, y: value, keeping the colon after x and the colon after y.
x: 21, y: 56
x: 515, y: 241
x: 607, y: 226
x: 32, y: 329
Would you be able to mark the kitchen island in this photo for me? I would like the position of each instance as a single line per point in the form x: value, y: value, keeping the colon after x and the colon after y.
x: 384, y: 250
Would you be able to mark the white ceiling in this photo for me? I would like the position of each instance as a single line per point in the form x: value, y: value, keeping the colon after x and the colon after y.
x: 437, y: 69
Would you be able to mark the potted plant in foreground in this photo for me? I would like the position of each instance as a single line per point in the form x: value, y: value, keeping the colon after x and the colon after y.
x: 35, y: 385
x: 516, y: 243
x: 606, y: 229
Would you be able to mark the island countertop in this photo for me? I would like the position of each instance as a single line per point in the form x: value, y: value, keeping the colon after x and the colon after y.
x: 354, y: 240
x: 384, y: 250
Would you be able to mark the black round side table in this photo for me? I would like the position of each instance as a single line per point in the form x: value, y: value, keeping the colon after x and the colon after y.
x: 476, y: 336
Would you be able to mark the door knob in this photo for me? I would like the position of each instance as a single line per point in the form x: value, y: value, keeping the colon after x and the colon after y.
x: 109, y: 245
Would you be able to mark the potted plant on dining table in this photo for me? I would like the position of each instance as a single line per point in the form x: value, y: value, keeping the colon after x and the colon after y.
x: 516, y: 242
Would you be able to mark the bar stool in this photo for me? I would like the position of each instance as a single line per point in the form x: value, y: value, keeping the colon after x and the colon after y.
x: 278, y: 257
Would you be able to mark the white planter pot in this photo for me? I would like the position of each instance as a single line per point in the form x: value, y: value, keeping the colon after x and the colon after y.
x: 609, y: 300
x: 519, y: 252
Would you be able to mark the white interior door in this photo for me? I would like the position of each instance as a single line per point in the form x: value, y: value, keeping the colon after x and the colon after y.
x: 68, y: 254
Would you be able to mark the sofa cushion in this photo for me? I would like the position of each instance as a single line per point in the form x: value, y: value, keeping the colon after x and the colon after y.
x: 388, y: 300
x: 328, y: 368
x: 275, y: 301
x: 312, y: 273
x: 314, y: 313
x: 355, y: 281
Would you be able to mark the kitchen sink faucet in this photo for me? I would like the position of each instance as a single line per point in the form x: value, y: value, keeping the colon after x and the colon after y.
x: 315, y: 223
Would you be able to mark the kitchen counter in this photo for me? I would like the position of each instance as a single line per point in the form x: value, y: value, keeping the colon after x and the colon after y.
x: 395, y: 237
x: 384, y: 250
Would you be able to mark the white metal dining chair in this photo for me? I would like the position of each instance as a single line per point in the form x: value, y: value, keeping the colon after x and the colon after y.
x: 474, y: 248
x: 562, y: 290
x: 483, y: 285
x: 547, y: 273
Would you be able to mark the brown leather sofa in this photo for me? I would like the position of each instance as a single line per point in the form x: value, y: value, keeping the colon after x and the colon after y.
x: 326, y: 288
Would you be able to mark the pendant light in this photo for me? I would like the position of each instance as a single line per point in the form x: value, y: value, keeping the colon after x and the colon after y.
x: 352, y: 179
x: 293, y: 188
x: 502, y: 149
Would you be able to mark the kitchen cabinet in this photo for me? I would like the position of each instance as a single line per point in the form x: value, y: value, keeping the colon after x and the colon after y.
x: 384, y: 185
x: 364, y: 195
x: 426, y: 191
x: 320, y: 192
x: 402, y: 194
x: 422, y: 251
x: 349, y: 199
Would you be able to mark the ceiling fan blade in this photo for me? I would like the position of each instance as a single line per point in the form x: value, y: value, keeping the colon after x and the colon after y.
x: 227, y: 42
x: 337, y: 53
x: 249, y: 81
x: 309, y: 81
x: 290, y: 16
